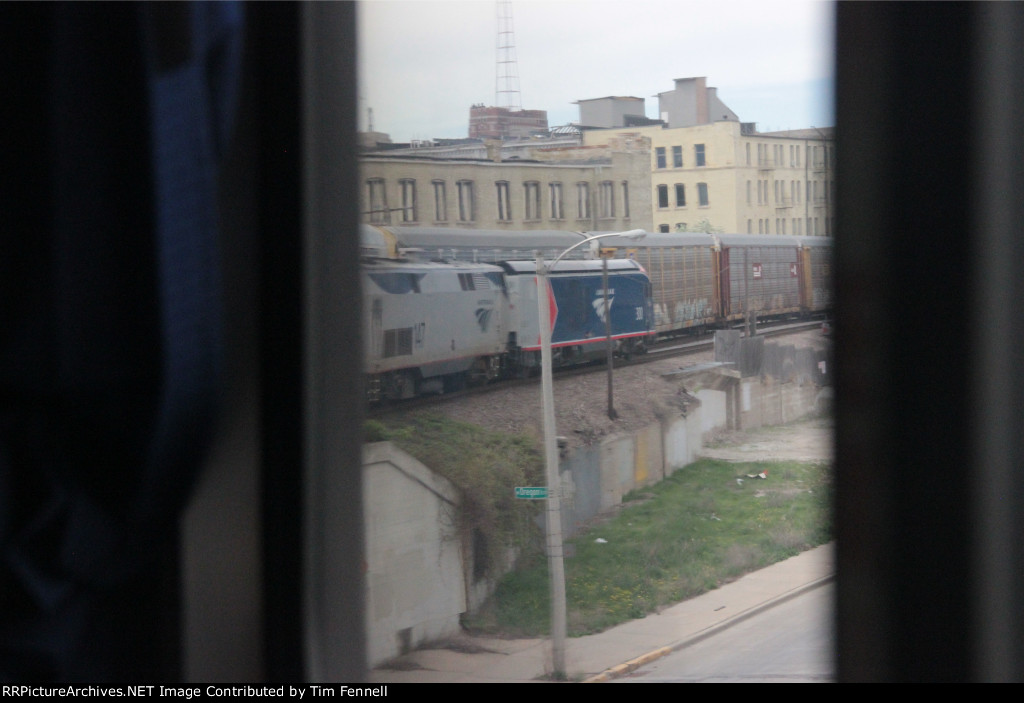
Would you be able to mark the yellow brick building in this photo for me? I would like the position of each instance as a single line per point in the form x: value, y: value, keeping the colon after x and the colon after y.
x: 726, y: 177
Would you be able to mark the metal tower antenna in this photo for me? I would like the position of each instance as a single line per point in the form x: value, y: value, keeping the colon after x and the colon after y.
x: 506, y: 92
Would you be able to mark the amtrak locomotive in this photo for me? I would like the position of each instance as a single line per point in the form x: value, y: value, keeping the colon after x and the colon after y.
x: 434, y: 326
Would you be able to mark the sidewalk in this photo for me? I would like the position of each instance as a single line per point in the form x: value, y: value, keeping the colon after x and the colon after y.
x: 624, y: 647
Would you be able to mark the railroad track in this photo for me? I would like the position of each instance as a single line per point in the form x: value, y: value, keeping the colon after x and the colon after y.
x: 661, y: 351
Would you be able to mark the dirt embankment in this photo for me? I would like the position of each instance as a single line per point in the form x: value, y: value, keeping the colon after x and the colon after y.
x: 641, y: 397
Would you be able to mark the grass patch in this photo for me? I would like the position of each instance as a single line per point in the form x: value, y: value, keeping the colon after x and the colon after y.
x: 693, y: 532
x: 487, y: 466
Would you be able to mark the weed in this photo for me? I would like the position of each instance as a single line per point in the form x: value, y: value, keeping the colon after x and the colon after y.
x: 486, y: 466
x: 693, y: 532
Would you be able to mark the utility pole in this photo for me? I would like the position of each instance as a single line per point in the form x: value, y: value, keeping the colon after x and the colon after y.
x: 553, y: 522
x: 605, y: 255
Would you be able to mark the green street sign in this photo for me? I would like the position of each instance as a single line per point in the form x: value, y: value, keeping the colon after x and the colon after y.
x: 532, y: 492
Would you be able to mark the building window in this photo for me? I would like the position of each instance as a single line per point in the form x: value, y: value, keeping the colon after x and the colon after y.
x: 748, y: 192
x: 662, y: 196
x: 504, y: 206
x: 625, y: 200
x: 659, y: 154
x: 467, y: 212
x: 750, y: 226
x: 760, y: 226
x: 702, y: 194
x: 440, y: 202
x: 677, y: 157
x: 748, y: 153
x: 606, y: 196
x: 583, y: 201
x: 408, y: 189
x: 680, y: 227
x: 680, y: 195
x: 698, y: 154
x: 663, y: 228
x: 531, y: 191
x: 377, y: 199
x: 555, y: 189
x: 777, y: 198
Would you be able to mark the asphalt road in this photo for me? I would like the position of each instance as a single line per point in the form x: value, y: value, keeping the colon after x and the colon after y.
x: 791, y: 642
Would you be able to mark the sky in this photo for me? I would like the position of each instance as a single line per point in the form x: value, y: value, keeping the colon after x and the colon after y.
x: 423, y: 63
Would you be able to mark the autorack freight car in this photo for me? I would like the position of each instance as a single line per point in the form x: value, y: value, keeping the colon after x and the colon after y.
x: 698, y: 280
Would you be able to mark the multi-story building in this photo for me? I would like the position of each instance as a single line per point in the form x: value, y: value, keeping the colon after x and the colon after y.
x: 500, y: 122
x: 725, y: 176
x: 568, y: 188
x: 698, y: 168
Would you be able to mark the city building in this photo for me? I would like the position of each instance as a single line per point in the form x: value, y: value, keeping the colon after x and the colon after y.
x: 500, y: 122
x: 614, y: 111
x: 692, y: 103
x: 698, y: 168
x: 573, y: 188
x: 710, y: 172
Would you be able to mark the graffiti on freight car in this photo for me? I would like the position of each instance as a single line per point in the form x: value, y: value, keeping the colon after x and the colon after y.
x: 822, y: 297
x: 691, y: 310
x: 660, y: 318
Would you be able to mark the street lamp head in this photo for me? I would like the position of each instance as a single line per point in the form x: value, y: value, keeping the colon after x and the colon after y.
x: 634, y: 235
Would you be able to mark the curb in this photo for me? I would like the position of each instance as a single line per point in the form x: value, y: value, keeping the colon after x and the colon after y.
x: 635, y: 663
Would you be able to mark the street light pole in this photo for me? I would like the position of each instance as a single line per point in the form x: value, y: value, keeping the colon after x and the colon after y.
x: 553, y: 515
x: 553, y: 522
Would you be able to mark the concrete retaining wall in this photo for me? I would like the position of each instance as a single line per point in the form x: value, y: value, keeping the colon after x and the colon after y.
x: 419, y: 579
x: 415, y: 571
